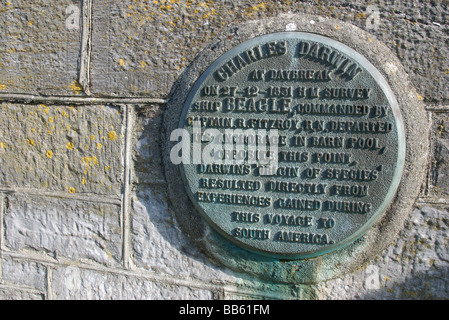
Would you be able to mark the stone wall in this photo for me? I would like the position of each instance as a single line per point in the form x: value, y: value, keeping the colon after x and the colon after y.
x: 84, y: 208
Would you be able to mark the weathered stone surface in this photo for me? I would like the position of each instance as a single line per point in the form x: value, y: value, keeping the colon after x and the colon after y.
x: 440, y: 165
x: 40, y: 47
x: 158, y: 245
x: 18, y: 294
x: 72, y: 283
x: 415, y: 267
x: 61, y: 148
x: 24, y: 273
x: 140, y: 47
x: 77, y: 230
x: 147, y: 159
x: 415, y: 30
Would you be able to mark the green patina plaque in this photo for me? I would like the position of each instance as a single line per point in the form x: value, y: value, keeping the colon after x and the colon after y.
x: 295, y: 145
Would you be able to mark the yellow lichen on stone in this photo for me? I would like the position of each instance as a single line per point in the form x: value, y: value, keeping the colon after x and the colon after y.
x: 49, y: 154
x: 71, y: 190
x: 46, y: 109
x: 112, y: 135
x: 90, y: 160
x: 76, y: 87
x: 258, y: 7
x: 70, y: 145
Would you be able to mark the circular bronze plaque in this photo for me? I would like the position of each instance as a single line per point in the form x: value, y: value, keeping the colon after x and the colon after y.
x: 293, y: 145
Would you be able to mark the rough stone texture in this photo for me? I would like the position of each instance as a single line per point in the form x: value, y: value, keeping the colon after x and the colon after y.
x: 140, y: 47
x: 18, y: 294
x: 415, y: 30
x: 440, y: 166
x: 61, y: 148
x: 159, y: 246
x: 27, y: 273
x: 40, y: 47
x: 415, y: 267
x: 78, y: 230
x: 80, y: 284
x: 147, y: 160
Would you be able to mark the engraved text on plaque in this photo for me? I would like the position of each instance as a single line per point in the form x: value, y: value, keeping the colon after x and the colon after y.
x: 296, y: 145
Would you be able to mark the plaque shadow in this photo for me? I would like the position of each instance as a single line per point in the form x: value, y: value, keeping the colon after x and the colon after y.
x: 155, y: 227
x: 159, y: 243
